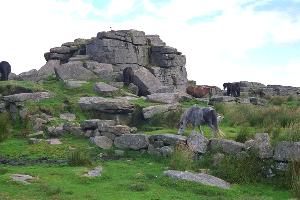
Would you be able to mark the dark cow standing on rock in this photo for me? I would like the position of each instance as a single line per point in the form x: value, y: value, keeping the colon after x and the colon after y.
x: 5, y: 70
x: 233, y: 89
x: 128, y: 76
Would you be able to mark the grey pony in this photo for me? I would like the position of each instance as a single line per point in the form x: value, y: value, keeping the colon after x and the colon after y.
x: 199, y: 116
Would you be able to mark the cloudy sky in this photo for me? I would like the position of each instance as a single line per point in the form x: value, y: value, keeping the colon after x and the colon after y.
x: 223, y: 40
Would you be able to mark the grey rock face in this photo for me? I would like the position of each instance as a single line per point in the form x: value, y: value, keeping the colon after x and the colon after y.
x: 287, y: 151
x: 166, y: 57
x: 107, y: 105
x: 56, y: 131
x: 79, y: 58
x: 198, y: 177
x: 68, y: 117
x: 226, y: 146
x: 132, y: 141
x: 24, y: 178
x: 61, y: 50
x: 262, y: 144
x: 102, y: 70
x: 168, y: 97
x: 28, y: 76
x: 103, y: 142
x: 167, y: 139
x: 117, y: 130
x: 104, y: 89
x: 21, y: 97
x: 151, y: 111
x: 94, y: 172
x: 154, y: 40
x: 133, y: 89
x: 74, y: 71
x: 197, y: 142
x: 90, y: 124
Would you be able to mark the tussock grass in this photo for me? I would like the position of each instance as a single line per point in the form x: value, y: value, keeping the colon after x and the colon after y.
x: 5, y: 125
x: 182, y: 158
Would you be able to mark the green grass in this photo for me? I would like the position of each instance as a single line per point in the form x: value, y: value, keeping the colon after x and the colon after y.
x: 131, y: 178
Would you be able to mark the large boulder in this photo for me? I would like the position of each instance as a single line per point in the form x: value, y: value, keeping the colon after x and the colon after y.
x: 117, y: 130
x: 146, y: 81
x: 103, y: 142
x: 161, y: 140
x: 105, y: 89
x: 287, y: 151
x: 226, y: 146
x: 168, y: 97
x: 262, y: 144
x: 48, y: 69
x: 102, y: 70
x: 74, y: 71
x: 202, y: 178
x: 132, y: 141
x: 28, y: 76
x: 151, y: 111
x: 92, y: 124
x: 197, y: 143
x: 71, y: 84
x: 106, y: 105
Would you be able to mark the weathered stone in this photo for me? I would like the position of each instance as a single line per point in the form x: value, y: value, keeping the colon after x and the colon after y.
x: 48, y: 69
x: 198, y: 177
x: 117, y: 84
x: 132, y: 141
x: 133, y: 89
x: 107, y: 105
x: 71, y: 84
x: 74, y: 71
x: 154, y: 151
x: 261, y: 142
x: 146, y: 81
x: 119, y: 152
x: 68, y: 117
x: 39, y: 134
x: 168, y: 97
x: 110, y: 135
x: 217, y: 158
x: 287, y: 151
x: 27, y: 96
x: 197, y: 142
x: 154, y: 40
x: 257, y: 101
x: 102, y: 70
x: 151, y: 111
x: 168, y: 139
x: 221, y: 99
x: 90, y: 124
x: 55, y: 131
x: 24, y: 178
x: 105, y: 123
x: 104, y: 89
x: 28, y: 76
x: 54, y: 141
x: 73, y: 129
x: 117, y: 130
x: 103, y: 142
x: 61, y: 50
x: 226, y: 146
x: 34, y: 140
x: 94, y: 172
x: 12, y: 76
x: 79, y: 57
x: 166, y: 151
x: 166, y: 57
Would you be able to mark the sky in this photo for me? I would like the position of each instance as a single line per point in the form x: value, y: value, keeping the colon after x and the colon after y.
x: 223, y: 40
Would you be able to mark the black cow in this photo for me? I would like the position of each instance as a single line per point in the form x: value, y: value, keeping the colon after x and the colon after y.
x: 128, y: 76
x: 5, y: 70
x: 233, y: 89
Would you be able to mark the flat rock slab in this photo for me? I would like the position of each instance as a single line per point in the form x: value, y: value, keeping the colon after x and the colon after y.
x: 167, y: 98
x: 287, y: 151
x: 226, y: 146
x: 132, y: 141
x: 54, y: 141
x: 24, y: 178
x: 167, y: 139
x: 21, y: 97
x: 197, y: 142
x: 104, y: 89
x: 108, y: 105
x: 94, y: 172
x: 68, y: 116
x: 151, y: 111
x: 74, y: 71
x: 103, y: 142
x: 205, y: 179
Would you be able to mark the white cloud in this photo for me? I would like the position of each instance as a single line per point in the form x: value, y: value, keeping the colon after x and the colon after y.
x: 213, y: 48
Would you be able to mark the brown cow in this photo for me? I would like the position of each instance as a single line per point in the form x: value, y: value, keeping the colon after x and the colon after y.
x: 199, y: 91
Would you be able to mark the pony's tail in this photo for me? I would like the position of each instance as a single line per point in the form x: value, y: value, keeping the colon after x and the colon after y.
x: 218, y: 132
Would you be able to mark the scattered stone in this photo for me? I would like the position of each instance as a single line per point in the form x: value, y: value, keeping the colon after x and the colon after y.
x: 94, y: 172
x: 48, y: 69
x: 217, y: 158
x: 39, y: 134
x: 261, y: 142
x: 103, y: 142
x: 287, y: 151
x: 102, y: 70
x: 90, y: 124
x: 226, y: 146
x: 71, y: 84
x: 117, y: 130
x: 68, y: 117
x: 198, y: 177
x: 55, y: 131
x: 73, y: 129
x: 34, y: 140
x: 197, y: 142
x: 221, y: 99
x: 166, y: 151
x: 39, y: 124
x: 23, y: 178
x: 132, y: 141
x: 105, y: 89
x: 28, y: 76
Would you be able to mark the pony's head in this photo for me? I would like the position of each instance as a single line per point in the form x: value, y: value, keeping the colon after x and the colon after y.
x: 182, y: 123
